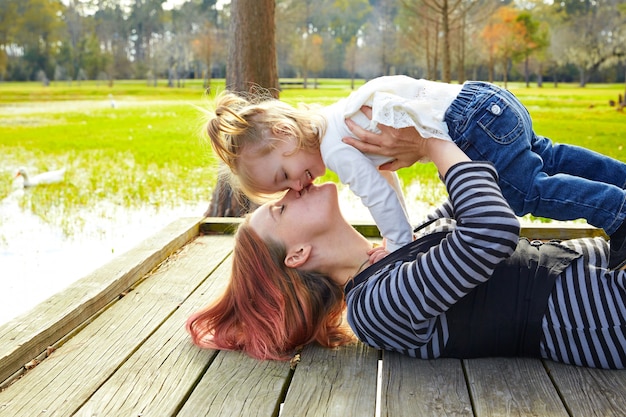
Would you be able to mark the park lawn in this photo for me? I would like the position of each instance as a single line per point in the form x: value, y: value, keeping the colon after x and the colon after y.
x: 579, y: 116
x: 147, y: 149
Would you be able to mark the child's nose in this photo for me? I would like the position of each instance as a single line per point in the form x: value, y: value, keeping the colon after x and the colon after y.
x: 297, y: 185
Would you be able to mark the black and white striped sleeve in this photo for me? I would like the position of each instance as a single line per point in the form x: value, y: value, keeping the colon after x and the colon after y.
x: 400, y: 308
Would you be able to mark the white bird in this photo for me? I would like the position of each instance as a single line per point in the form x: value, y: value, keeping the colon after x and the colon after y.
x: 50, y: 177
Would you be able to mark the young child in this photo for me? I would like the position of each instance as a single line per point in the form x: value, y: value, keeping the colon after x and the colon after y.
x: 290, y: 146
x: 271, y: 147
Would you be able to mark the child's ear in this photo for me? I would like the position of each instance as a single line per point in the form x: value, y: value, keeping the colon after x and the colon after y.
x: 298, y: 257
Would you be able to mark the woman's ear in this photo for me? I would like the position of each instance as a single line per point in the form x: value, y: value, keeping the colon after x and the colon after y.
x: 298, y: 257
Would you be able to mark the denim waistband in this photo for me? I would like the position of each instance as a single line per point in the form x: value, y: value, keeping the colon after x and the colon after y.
x: 469, y: 101
x: 468, y: 96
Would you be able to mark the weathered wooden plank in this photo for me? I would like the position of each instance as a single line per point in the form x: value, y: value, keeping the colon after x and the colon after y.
x: 334, y: 382
x: 25, y: 337
x: 512, y: 387
x: 212, y: 225
x: 413, y: 387
x: 590, y: 392
x: 542, y: 231
x: 549, y: 231
x: 68, y: 378
x: 237, y: 385
x: 158, y: 377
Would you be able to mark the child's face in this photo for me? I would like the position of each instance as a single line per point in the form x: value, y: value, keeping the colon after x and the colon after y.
x: 282, y: 168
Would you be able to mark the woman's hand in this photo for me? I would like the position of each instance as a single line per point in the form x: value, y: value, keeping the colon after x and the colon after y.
x: 405, y: 145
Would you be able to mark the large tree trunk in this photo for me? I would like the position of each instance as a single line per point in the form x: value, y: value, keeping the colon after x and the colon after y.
x: 252, y: 51
x: 251, y: 63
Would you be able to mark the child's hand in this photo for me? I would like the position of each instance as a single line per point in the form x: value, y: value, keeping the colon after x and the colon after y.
x: 377, y: 253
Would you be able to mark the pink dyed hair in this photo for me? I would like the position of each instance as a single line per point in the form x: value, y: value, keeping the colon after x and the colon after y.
x: 269, y: 310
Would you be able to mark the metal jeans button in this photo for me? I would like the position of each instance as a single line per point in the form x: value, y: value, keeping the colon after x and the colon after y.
x: 495, y: 109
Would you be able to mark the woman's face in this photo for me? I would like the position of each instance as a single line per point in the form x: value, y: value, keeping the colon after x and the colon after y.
x: 299, y: 216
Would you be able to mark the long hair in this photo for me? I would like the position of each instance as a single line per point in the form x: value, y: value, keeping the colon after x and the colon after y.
x: 257, y: 122
x: 268, y: 310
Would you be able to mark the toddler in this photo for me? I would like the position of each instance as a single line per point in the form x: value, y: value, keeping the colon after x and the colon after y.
x: 271, y: 146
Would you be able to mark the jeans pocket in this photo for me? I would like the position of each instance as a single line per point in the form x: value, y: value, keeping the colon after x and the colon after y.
x: 501, y: 122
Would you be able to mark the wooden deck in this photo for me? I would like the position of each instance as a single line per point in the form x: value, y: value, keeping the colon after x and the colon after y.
x: 113, y: 344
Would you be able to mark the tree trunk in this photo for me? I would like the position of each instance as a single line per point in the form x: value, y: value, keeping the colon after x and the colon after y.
x: 251, y: 64
x: 461, y: 52
x: 226, y: 202
x: 252, y: 49
x: 446, y: 71
x: 527, y: 71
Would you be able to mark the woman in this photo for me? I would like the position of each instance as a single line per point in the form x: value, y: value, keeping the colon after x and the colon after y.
x: 470, y: 291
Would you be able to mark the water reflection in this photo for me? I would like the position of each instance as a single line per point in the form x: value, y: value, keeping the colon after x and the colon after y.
x: 37, y: 259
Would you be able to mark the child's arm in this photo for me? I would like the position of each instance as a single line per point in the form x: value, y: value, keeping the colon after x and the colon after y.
x: 377, y: 253
x: 365, y: 180
x: 392, y: 178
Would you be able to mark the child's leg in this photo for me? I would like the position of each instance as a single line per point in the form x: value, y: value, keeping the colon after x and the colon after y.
x: 489, y: 123
x: 583, y: 163
x: 578, y: 161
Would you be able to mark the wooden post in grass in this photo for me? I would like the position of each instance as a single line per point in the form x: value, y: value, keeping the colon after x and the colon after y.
x: 251, y: 64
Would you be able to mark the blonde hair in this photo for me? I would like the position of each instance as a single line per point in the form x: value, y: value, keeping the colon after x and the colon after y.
x: 258, y: 121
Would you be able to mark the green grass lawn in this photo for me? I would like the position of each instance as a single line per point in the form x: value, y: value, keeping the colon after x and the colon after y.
x: 147, y: 149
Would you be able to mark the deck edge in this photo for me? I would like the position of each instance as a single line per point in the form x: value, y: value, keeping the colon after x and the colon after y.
x: 28, y: 335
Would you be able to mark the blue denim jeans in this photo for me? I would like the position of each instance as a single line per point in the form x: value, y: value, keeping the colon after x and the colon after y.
x: 557, y: 181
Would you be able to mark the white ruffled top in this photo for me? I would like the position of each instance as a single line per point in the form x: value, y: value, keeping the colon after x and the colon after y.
x: 397, y: 101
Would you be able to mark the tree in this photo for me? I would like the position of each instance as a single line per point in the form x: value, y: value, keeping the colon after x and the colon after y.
x: 39, y: 33
x: 420, y: 29
x: 316, y: 61
x: 146, y: 23
x: 206, y: 47
x: 594, y: 35
x: 302, y: 40
x: 113, y: 29
x: 252, y: 48
x: 383, y: 15
x: 535, y: 40
x: 440, y: 19
x: 251, y: 64
x: 8, y: 28
x: 504, y: 38
x: 343, y: 21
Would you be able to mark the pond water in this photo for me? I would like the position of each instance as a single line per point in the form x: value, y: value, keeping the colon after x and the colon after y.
x: 38, y: 259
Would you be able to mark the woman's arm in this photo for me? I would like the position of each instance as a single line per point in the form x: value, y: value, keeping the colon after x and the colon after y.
x: 414, y: 295
x: 444, y: 154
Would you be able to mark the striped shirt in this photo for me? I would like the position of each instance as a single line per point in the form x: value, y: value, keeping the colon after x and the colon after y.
x: 402, y: 306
